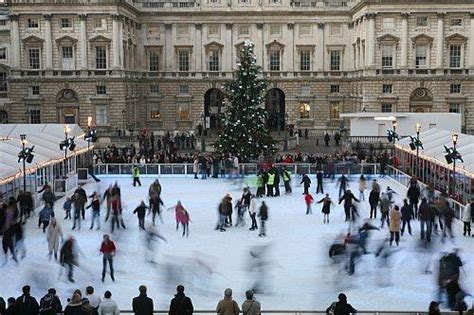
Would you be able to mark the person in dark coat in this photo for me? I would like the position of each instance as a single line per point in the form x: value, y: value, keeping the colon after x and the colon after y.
x: 425, y: 220
x: 319, y: 179
x: 276, y: 182
x: 50, y: 304
x: 181, y: 304
x: 348, y: 197
x: 76, y: 306
x: 83, y: 194
x: 407, y: 216
x: 11, y: 306
x: 326, y: 201
x: 26, y: 304
x: 327, y: 138
x: 343, y: 181
x: 263, y: 215
x: 140, y: 211
x: 341, y: 307
x: 142, y: 304
x: 374, y: 198
x: 337, y: 138
x: 413, y: 195
x: 306, y: 183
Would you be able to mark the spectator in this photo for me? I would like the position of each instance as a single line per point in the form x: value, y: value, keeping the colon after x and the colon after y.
x: 11, y: 306
x: 251, y: 306
x: 227, y: 306
x: 2, y: 306
x: 75, y: 306
x: 434, y: 308
x: 26, y: 304
x: 341, y: 307
x: 50, y: 303
x: 94, y: 300
x: 108, y: 306
x: 142, y: 304
x: 181, y: 304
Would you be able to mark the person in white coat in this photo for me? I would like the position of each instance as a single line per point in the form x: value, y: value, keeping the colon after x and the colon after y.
x: 54, y: 234
x: 108, y: 306
x: 196, y: 167
x: 467, y: 217
x: 253, y: 213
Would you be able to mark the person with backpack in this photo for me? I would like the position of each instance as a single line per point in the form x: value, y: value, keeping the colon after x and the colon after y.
x: 181, y: 304
x: 227, y: 306
x: 251, y: 306
x: 108, y: 306
x: 26, y: 304
x: 142, y: 304
x: 50, y: 304
x: 341, y: 307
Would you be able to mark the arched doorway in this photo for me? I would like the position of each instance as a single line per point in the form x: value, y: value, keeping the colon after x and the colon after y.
x: 421, y: 101
x: 213, y: 108
x: 68, y: 107
x: 3, y: 117
x: 275, y: 107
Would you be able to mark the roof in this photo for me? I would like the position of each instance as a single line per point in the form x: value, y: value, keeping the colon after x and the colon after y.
x: 434, y: 141
x: 45, y: 138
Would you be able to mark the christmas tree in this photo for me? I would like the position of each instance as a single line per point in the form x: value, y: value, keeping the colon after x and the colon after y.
x: 244, y: 130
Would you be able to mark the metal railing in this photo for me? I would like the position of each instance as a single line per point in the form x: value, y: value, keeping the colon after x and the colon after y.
x: 308, y: 312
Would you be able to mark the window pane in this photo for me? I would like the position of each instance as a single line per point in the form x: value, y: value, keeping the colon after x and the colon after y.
x: 387, y: 56
x: 154, y: 61
x: 67, y: 52
x: 335, y: 60
x: 386, y: 108
x: 34, y: 58
x: 454, y: 108
x: 34, y: 114
x: 304, y: 110
x: 101, y: 114
x: 305, y: 60
x: 420, y: 58
x: 3, y: 53
x: 101, y: 58
x: 183, y: 111
x: 183, y: 60
x: 154, y: 111
x: 455, y: 56
x: 214, y: 61
x: 3, y: 82
x: 275, y: 61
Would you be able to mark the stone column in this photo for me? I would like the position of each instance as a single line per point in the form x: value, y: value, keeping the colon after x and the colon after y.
x: 48, y: 42
x: 120, y: 40
x: 198, y: 48
x: 116, y: 44
x: 320, y: 50
x: 440, y: 41
x: 370, y: 40
x: 169, y: 53
x: 259, y: 45
x: 15, y: 42
x: 358, y: 54
x: 404, y: 42
x: 288, y: 60
x: 227, y: 62
x: 83, y: 41
x: 471, y: 44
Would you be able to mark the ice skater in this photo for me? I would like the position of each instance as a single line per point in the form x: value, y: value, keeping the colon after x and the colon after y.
x: 140, y: 211
x: 45, y: 216
x: 362, y: 187
x: 152, y: 237
x: 240, y: 213
x: 54, y: 235
x: 287, y: 180
x: 136, y: 176
x: 182, y: 217
x: 342, y: 183
x: 348, y: 205
x: 253, y: 213
x: 78, y: 203
x: 67, y: 206
x: 69, y: 257
x: 308, y: 198
x: 108, y: 250
x: 263, y: 215
x: 326, y: 201
x: 306, y: 183
x: 319, y: 180
x: 95, y: 205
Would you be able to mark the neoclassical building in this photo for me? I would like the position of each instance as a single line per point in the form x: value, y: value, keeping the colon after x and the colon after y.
x: 161, y: 64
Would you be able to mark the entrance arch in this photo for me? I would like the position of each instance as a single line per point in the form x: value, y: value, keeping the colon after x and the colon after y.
x: 275, y: 107
x: 68, y: 107
x: 421, y: 101
x: 213, y: 107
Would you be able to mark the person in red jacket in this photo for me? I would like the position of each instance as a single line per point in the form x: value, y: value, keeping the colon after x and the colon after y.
x: 108, y: 251
x: 309, y: 200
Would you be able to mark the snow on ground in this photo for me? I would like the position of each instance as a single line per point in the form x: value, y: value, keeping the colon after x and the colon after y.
x: 300, y: 275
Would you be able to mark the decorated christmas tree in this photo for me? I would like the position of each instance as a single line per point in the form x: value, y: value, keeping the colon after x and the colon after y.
x: 244, y: 130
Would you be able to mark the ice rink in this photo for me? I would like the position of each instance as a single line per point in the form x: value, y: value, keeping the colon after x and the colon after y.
x: 298, y: 274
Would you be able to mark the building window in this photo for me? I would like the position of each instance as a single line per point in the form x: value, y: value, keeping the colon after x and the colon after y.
x: 455, y: 88
x: 305, y: 29
x: 183, y: 60
x: 334, y: 111
x: 244, y: 30
x: 334, y: 88
x: 421, y: 21
x: 387, y: 57
x: 420, y: 56
x: 3, y: 22
x: 244, y: 1
x: 305, y: 60
x: 304, y: 110
x: 183, y: 30
x: 456, y: 22
x: 455, y: 108
x: 387, y: 89
x: 154, y: 89
x: 33, y: 58
x: 388, y: 23
x: 35, y: 90
x: 100, y: 23
x: 101, y: 115
x: 214, y: 60
x: 386, y: 108
x: 3, y: 53
x: 67, y: 52
x: 34, y: 114
x: 275, y: 60
x: 154, y: 111
x: 183, y: 89
x: 213, y: 29
x: 214, y: 1
x: 335, y: 58
x: 275, y: 30
x: 66, y: 23
x: 100, y: 57
x: 3, y: 82
x: 101, y: 90
x: 455, y: 56
x: 183, y: 111
x: 33, y: 23
x: 154, y: 61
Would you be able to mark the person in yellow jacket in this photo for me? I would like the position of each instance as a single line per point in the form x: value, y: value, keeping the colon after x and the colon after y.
x: 136, y: 176
x: 287, y: 180
x: 270, y: 183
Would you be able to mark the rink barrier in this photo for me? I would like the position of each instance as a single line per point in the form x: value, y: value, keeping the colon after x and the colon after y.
x: 309, y: 312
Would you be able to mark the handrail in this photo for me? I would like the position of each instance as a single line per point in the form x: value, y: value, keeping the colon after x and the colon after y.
x: 296, y: 312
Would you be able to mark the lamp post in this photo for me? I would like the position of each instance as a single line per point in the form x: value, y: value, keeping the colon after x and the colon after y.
x: 66, y: 141
x: 23, y: 147
x: 455, y: 141
x: 417, y: 129
x: 394, y: 127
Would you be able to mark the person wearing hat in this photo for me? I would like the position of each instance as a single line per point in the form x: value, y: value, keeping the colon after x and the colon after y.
x: 341, y: 307
x: 227, y: 306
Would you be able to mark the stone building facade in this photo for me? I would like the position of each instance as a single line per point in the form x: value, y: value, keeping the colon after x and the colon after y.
x: 161, y: 64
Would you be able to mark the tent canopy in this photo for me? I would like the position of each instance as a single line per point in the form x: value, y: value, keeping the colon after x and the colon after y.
x: 434, y: 141
x: 45, y: 138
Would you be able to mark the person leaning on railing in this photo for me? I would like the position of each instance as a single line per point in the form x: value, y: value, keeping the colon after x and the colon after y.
x: 341, y: 307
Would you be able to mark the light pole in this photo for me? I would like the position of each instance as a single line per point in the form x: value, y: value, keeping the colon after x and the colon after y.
x: 66, y: 134
x: 23, y: 146
x: 455, y: 141
x: 418, y: 129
